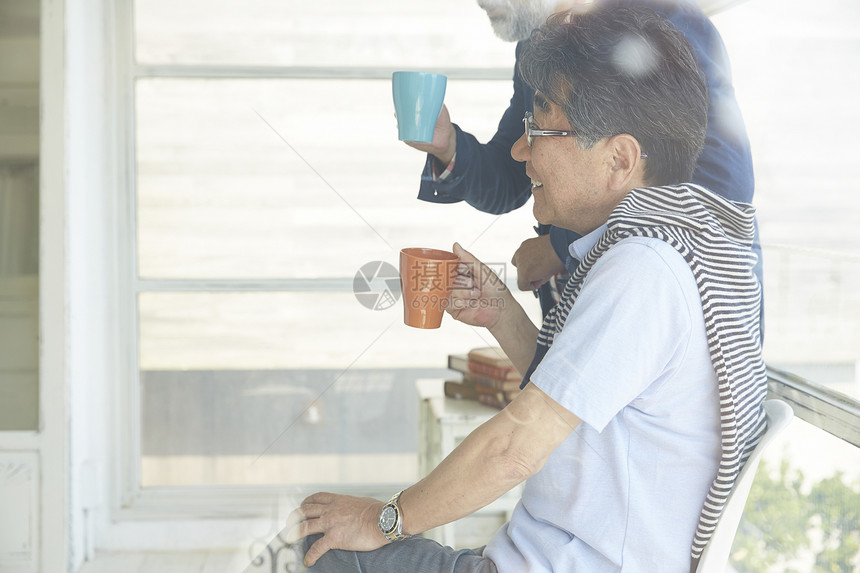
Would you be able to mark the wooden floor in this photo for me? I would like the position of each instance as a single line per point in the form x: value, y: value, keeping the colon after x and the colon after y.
x: 168, y: 562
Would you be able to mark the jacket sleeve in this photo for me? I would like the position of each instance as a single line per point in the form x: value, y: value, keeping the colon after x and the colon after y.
x: 725, y: 165
x: 561, y: 240
x: 485, y: 175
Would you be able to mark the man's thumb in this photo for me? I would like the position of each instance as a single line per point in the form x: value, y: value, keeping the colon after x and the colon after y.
x: 463, y: 253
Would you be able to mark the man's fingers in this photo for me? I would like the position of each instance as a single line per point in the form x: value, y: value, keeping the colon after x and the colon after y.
x: 463, y: 253
x: 308, y: 510
x: 295, y: 517
x: 297, y: 531
x: 467, y: 271
x: 472, y: 265
x: 304, y: 529
x: 311, y: 509
x: 317, y: 550
x: 463, y: 281
x: 527, y: 283
x: 319, y: 497
x: 292, y: 533
x: 523, y: 283
x: 304, y: 521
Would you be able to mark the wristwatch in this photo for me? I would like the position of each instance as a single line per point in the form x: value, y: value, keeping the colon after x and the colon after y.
x: 391, y: 519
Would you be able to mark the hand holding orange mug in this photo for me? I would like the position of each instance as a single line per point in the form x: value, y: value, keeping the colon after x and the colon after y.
x: 426, y: 279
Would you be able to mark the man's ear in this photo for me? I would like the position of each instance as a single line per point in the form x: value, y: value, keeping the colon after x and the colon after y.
x: 627, y: 168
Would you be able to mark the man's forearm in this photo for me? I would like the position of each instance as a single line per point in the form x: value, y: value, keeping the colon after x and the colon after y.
x: 517, y: 335
x: 500, y: 454
x: 472, y: 476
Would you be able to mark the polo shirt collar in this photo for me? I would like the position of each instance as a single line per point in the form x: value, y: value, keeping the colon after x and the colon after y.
x: 580, y: 247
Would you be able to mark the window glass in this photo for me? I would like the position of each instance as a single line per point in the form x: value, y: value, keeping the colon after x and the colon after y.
x: 287, y: 188
x: 280, y: 427
x: 292, y: 179
x: 19, y: 215
x: 279, y: 330
x: 793, y: 66
x: 382, y: 33
x: 794, y: 74
x: 285, y: 388
x: 801, y: 514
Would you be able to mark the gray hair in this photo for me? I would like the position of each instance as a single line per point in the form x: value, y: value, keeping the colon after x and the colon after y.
x: 624, y: 70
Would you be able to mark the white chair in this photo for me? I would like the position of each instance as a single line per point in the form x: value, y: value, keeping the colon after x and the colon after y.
x: 715, y: 557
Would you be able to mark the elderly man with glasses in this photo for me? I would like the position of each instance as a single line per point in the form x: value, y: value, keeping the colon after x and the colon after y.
x: 643, y: 388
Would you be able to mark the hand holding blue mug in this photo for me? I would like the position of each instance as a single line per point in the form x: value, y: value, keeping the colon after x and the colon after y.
x: 418, y: 98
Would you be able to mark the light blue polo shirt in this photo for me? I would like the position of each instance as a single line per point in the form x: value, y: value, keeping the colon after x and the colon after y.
x: 624, y: 491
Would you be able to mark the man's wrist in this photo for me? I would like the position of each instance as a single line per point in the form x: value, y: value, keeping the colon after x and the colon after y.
x: 442, y: 171
x: 515, y: 332
x: 446, y: 157
x: 373, y: 517
x: 391, y: 519
x: 506, y: 318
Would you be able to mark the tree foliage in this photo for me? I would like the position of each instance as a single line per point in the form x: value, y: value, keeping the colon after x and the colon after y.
x: 792, y: 527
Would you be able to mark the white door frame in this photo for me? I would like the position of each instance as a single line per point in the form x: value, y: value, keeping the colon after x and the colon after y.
x: 53, y: 294
x: 37, y: 462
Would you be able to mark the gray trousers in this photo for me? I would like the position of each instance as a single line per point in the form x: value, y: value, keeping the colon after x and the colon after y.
x: 413, y: 555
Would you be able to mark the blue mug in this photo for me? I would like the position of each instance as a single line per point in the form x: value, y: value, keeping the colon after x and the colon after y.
x: 418, y: 98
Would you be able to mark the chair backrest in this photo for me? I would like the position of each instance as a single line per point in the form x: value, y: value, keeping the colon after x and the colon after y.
x: 715, y: 557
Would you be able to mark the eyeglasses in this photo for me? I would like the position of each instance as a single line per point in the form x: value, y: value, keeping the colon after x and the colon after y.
x: 528, y: 122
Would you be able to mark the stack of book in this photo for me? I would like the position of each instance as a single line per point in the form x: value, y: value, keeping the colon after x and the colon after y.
x: 488, y: 377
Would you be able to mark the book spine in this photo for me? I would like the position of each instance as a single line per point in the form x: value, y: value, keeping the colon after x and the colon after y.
x: 504, y: 395
x: 494, y: 383
x: 458, y: 362
x: 460, y: 391
x: 502, y: 373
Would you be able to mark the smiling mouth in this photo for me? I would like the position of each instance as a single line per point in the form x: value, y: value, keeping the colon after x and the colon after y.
x: 536, y: 184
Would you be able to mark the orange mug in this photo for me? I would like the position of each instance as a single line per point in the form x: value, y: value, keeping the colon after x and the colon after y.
x: 426, y: 279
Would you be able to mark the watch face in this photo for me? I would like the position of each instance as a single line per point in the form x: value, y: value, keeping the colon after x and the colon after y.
x: 388, y: 519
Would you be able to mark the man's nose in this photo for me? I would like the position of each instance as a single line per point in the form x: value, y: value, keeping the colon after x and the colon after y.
x: 520, y: 150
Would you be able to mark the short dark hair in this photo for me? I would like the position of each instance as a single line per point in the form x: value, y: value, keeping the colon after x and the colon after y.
x: 624, y: 70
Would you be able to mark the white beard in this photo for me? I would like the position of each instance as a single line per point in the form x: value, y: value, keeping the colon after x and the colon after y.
x: 517, y: 18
